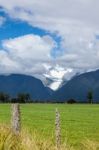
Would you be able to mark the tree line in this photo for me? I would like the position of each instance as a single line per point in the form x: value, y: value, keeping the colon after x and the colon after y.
x: 26, y: 98
x: 20, y: 98
x: 89, y: 98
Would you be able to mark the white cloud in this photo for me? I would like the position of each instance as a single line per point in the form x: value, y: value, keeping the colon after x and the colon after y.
x: 26, y: 54
x: 57, y: 72
x: 7, y: 65
x: 76, y: 21
x: 30, y: 47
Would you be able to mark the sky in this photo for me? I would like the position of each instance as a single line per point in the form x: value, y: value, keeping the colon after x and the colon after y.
x: 54, y: 39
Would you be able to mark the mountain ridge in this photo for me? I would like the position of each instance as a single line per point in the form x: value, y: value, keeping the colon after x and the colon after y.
x: 76, y: 88
x: 18, y: 83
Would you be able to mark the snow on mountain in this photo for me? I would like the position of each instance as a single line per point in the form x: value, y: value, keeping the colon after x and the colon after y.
x: 55, y: 76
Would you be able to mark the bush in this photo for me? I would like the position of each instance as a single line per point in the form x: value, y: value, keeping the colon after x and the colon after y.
x: 71, y: 101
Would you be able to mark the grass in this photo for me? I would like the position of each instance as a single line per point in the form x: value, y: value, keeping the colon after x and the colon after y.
x: 25, y: 141
x: 78, y: 122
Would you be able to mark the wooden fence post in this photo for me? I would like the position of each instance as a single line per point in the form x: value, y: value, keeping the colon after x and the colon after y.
x: 58, y: 130
x: 16, y: 119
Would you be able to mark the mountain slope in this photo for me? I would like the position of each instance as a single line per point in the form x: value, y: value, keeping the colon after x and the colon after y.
x: 15, y: 83
x: 78, y: 87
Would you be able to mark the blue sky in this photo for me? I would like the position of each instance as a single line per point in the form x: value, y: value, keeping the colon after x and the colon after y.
x: 53, y: 38
x: 14, y: 28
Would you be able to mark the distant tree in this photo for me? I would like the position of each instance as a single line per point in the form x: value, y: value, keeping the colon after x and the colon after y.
x: 23, y: 97
x: 4, y: 97
x: 71, y: 101
x: 90, y: 97
x: 27, y: 97
x: 14, y: 100
x: 7, y: 98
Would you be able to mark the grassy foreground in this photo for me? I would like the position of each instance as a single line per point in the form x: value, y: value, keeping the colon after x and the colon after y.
x: 78, y: 122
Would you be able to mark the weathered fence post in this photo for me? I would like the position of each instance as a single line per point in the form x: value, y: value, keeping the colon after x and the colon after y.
x: 58, y: 130
x: 16, y: 119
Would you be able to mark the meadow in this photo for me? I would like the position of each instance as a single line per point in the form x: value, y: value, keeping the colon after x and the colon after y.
x: 78, y: 121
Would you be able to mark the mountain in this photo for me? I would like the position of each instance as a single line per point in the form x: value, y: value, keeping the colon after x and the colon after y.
x: 54, y: 76
x: 15, y: 83
x: 52, y: 82
x: 47, y: 81
x: 78, y: 87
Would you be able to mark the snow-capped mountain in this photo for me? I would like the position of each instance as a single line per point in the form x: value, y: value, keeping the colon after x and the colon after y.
x: 56, y: 76
x: 79, y: 87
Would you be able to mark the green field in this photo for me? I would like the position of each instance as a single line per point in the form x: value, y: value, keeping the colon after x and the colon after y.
x: 77, y: 121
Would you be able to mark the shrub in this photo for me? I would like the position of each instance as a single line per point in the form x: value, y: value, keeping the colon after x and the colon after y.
x: 71, y: 101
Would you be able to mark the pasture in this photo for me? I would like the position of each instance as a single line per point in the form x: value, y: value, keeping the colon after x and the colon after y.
x: 78, y: 121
